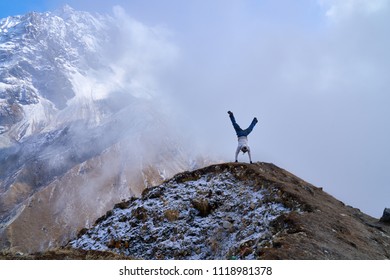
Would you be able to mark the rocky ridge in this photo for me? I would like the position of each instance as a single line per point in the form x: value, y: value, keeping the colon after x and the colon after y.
x: 237, y: 211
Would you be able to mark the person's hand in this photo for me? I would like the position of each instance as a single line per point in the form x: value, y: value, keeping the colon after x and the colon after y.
x: 256, y: 119
x: 230, y: 113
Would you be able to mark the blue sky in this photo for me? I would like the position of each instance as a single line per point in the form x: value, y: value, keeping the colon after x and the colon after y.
x: 20, y: 7
x: 314, y: 72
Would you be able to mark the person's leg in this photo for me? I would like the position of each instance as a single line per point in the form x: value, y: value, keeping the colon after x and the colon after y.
x: 251, y: 126
x: 237, y: 128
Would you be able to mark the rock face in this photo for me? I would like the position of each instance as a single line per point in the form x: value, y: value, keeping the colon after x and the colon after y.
x: 237, y: 211
x: 386, y: 216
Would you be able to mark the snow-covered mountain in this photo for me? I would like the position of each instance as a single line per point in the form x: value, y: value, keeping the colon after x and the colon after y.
x: 41, y: 57
x: 81, y: 126
x: 63, y: 66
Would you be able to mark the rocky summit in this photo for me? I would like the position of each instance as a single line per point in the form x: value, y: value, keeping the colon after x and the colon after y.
x: 237, y: 211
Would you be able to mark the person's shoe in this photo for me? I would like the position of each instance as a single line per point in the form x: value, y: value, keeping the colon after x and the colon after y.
x: 251, y: 162
x: 236, y: 161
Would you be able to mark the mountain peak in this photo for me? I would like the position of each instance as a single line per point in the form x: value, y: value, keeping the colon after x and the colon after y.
x: 237, y: 211
x: 67, y: 9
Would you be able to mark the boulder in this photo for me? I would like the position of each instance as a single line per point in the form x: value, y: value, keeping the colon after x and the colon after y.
x: 203, y: 206
x: 386, y: 216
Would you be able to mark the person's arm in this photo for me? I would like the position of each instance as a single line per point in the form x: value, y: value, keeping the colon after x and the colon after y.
x: 237, y: 152
x: 249, y: 154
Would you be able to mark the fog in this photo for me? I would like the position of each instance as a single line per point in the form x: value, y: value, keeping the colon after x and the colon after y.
x: 314, y: 73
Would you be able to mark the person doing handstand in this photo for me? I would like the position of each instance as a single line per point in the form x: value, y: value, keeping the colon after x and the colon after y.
x: 242, y: 135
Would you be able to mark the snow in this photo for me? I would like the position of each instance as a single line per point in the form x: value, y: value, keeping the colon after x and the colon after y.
x: 240, y: 217
x: 39, y: 52
x: 73, y: 51
x: 8, y: 23
x: 4, y: 86
x: 68, y: 50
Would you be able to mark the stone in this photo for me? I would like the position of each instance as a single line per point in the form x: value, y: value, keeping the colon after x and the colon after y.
x: 227, y: 225
x: 171, y: 215
x: 203, y: 206
x: 386, y: 216
x: 140, y: 213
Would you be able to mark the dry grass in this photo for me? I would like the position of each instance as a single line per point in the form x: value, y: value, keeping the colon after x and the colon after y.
x: 63, y: 254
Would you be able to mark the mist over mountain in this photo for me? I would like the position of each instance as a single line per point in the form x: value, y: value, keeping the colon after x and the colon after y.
x: 92, y: 156
x: 83, y: 121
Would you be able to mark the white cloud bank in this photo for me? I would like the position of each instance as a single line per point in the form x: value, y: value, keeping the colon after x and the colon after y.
x: 343, y: 9
x: 315, y: 73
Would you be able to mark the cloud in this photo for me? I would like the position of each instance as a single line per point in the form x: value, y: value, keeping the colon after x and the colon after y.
x: 315, y: 73
x: 344, y: 9
x: 319, y: 92
x: 139, y: 54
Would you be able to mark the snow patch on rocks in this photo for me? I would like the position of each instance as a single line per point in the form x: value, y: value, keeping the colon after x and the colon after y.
x: 214, y: 216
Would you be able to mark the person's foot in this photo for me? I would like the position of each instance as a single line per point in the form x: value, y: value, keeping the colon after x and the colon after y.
x: 251, y: 162
x: 236, y: 161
